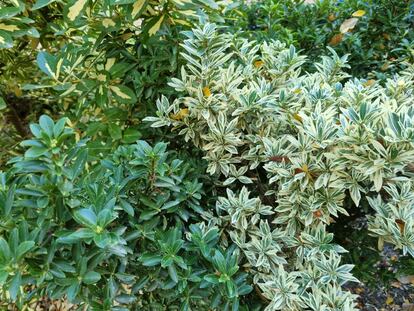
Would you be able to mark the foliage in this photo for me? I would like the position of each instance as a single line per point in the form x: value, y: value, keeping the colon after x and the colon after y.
x: 249, y: 108
x: 101, y: 62
x: 376, y: 34
x: 115, y: 232
x: 233, y: 193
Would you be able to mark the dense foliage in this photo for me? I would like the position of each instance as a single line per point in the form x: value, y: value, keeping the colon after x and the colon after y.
x: 174, y: 162
x: 376, y: 33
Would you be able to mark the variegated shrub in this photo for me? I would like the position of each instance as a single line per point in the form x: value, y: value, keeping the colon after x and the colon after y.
x: 289, y: 148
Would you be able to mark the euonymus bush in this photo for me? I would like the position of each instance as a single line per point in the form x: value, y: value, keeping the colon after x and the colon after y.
x: 290, y: 148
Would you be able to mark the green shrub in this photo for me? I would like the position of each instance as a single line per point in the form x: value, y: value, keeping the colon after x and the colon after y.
x: 301, y: 143
x: 101, y: 62
x: 378, y: 43
x: 117, y: 233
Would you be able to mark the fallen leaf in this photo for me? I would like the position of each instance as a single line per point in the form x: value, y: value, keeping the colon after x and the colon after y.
x: 358, y: 13
x: 389, y: 300
x: 336, y: 39
x: 406, y: 279
x: 348, y: 24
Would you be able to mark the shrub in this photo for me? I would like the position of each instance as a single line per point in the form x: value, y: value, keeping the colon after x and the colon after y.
x: 301, y: 143
x: 101, y: 62
x: 117, y: 233
x: 375, y: 33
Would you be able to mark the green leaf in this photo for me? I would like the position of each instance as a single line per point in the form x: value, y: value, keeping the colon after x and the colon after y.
x: 86, y: 217
x: 5, y: 253
x: 127, y: 207
x: 15, y: 284
x: 91, y: 277
x: 76, y: 236
x: 115, y: 131
x: 131, y: 135
x: 23, y: 248
x: 47, y: 63
x: 3, y: 104
x: 9, y: 12
x: 41, y: 3
x: 47, y: 125
x: 150, y: 260
x: 172, y: 271
x: 6, y: 41
x: 35, y: 152
x: 9, y: 200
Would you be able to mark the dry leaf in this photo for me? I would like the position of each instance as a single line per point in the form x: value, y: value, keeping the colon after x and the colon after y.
x: 385, y: 66
x: 180, y: 114
x: 336, y: 39
x: 206, y: 91
x: 359, y: 13
x: 331, y: 17
x: 389, y: 300
x: 369, y: 82
x: 348, y: 24
x: 406, y: 279
x: 258, y: 63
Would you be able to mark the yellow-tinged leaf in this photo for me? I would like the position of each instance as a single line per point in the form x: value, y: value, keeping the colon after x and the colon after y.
x: 348, y: 24
x: 153, y: 30
x: 101, y: 77
x: 258, y: 63
x: 126, y: 36
x: 206, y: 91
x: 118, y: 92
x: 180, y: 114
x: 17, y: 91
x: 297, y: 117
x: 331, y: 17
x: 297, y: 91
x: 385, y: 66
x: 181, y: 22
x: 137, y: 7
x: 369, y: 82
x: 109, y: 63
x: 107, y: 22
x: 58, y: 66
x: 389, y: 300
x: 336, y: 39
x: 76, y: 9
x: 8, y: 27
x: 358, y: 13
x: 386, y: 36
